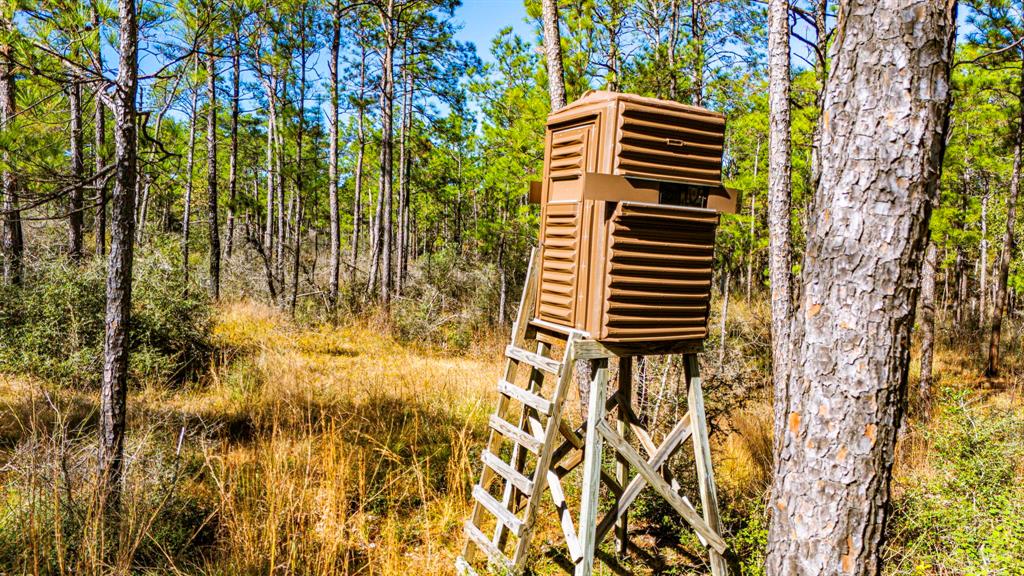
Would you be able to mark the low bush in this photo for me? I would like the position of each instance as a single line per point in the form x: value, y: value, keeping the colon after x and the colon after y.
x: 52, y: 326
x: 963, y: 511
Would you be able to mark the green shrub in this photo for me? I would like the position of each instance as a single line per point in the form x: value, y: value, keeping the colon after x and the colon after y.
x: 53, y: 326
x: 964, y: 513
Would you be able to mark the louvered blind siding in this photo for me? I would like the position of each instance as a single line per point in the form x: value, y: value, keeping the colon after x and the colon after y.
x: 659, y: 273
x: 559, y: 264
x: 670, y: 145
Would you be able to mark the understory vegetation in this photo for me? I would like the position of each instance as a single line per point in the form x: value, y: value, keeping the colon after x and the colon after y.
x: 263, y: 444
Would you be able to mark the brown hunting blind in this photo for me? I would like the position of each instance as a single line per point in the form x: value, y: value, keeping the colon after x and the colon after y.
x: 631, y: 197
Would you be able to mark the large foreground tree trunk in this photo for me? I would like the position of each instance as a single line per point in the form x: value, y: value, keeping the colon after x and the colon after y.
x: 780, y: 247
x: 882, y: 144
x: 113, y: 397
x: 1006, y: 256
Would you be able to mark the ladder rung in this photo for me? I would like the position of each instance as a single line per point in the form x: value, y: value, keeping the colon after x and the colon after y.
x: 536, y: 360
x: 504, y: 515
x: 495, y: 555
x: 525, y: 396
x: 505, y: 470
x: 515, y: 434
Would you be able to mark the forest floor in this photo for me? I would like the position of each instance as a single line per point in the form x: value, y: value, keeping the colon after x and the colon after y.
x: 339, y: 450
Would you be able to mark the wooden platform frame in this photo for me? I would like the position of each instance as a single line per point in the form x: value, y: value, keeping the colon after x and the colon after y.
x: 558, y: 449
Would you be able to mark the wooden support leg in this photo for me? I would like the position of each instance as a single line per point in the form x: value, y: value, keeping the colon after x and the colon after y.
x: 625, y: 394
x: 702, y: 455
x: 592, y: 465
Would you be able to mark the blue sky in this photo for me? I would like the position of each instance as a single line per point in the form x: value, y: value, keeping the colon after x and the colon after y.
x: 482, y: 19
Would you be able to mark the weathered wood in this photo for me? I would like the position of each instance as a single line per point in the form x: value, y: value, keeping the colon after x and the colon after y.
x: 515, y: 434
x: 499, y: 426
x: 539, y: 362
x: 475, y: 536
x: 463, y: 568
x: 562, y: 506
x: 514, y: 524
x: 679, y: 433
x: 702, y: 456
x: 524, y: 396
x: 592, y: 465
x: 625, y: 400
x: 551, y: 431
x: 506, y: 471
x: 662, y: 488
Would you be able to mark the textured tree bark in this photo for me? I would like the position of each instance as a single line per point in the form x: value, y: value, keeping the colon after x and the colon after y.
x: 924, y: 384
x: 114, y: 393
x: 821, y: 75
x: 236, y: 71
x: 186, y: 213
x: 697, y: 33
x: 882, y: 144
x: 211, y: 169
x: 983, y: 262
x: 332, y: 157
x: 99, y: 144
x: 299, y: 172
x: 387, y: 98
x: 780, y: 247
x: 357, y: 201
x: 13, y: 240
x: 404, y: 161
x: 553, y: 54
x: 673, y: 39
x: 77, y: 173
x: 1005, y: 257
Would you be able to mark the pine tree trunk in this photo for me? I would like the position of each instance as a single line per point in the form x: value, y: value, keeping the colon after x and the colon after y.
x: 403, y: 180
x: 983, y: 263
x: 924, y: 384
x: 99, y: 144
x: 114, y: 393
x: 13, y: 239
x: 77, y: 173
x: 236, y: 67
x: 886, y: 104
x: 357, y: 201
x: 186, y: 213
x: 211, y: 170
x: 299, y: 169
x: 780, y: 247
x: 332, y: 160
x: 673, y: 39
x: 753, y: 222
x: 387, y: 154
x: 1006, y: 255
x: 553, y: 55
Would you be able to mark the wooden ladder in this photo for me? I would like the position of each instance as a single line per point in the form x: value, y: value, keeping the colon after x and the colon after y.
x: 538, y: 425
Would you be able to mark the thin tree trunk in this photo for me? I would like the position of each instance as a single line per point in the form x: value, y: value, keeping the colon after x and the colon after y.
x: 114, y: 393
x: 299, y: 171
x: 268, y: 233
x: 357, y: 202
x: 780, y: 257
x: 1006, y: 255
x: 99, y: 144
x: 186, y: 213
x: 332, y: 160
x: 211, y: 169
x: 847, y: 390
x: 697, y: 32
x: 403, y: 178
x: 924, y: 384
x: 77, y: 173
x: 553, y: 54
x: 723, y: 326
x: 753, y: 222
x: 387, y: 153
x: 983, y: 262
x: 673, y: 39
x: 820, y: 75
x: 13, y: 238
x: 236, y: 66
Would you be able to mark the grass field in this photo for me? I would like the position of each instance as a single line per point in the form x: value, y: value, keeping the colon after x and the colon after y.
x: 337, y: 450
